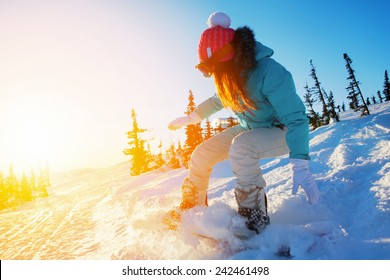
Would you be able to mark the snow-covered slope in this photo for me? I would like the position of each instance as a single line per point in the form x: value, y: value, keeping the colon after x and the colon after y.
x: 106, y: 214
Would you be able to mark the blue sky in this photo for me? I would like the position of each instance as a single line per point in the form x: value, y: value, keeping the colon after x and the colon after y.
x: 70, y: 71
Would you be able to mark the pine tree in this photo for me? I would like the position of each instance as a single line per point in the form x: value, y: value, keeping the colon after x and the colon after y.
x: 180, y: 154
x: 32, y: 182
x: 149, y: 157
x: 231, y: 121
x: 320, y: 95
x: 314, y: 118
x: 137, y: 150
x: 159, y: 160
x: 218, y: 129
x: 3, y: 193
x: 25, y: 189
x: 379, y: 96
x: 193, y: 132
x: 42, y: 184
x: 14, y: 192
x: 332, y: 110
x: 373, y: 99
x: 353, y: 97
x: 355, y: 93
x: 207, y: 130
x: 173, y: 160
x: 12, y: 187
x: 386, y: 87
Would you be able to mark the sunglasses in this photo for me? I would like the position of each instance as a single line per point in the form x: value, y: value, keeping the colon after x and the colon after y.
x: 207, y: 67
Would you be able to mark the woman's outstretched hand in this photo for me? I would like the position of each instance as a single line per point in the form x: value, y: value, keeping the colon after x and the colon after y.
x: 178, y: 123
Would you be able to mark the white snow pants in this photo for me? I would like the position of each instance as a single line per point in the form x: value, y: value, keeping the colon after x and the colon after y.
x: 243, y: 148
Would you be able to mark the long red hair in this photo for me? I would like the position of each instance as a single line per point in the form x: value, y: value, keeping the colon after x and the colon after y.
x: 231, y: 87
x: 231, y: 76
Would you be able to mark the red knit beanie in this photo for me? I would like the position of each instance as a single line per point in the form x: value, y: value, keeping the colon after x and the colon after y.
x: 217, y: 36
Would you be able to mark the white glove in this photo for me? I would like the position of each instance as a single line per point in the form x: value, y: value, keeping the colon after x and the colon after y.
x: 192, y: 118
x: 303, y: 177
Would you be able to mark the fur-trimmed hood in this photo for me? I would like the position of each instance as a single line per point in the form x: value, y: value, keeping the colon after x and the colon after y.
x: 248, y: 50
x: 263, y: 51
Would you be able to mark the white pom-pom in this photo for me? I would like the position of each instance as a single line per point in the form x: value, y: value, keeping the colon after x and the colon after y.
x: 219, y: 18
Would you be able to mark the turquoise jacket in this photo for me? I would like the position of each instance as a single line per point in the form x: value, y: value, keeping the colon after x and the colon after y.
x: 272, y: 89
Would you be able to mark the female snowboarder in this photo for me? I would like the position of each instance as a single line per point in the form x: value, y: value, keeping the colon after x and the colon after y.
x: 262, y: 94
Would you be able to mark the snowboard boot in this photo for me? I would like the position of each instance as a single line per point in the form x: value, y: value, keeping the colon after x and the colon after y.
x: 191, y: 197
x: 252, y: 206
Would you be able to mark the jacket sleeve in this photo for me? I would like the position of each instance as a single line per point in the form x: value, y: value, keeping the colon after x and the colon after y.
x: 279, y: 88
x: 209, y: 107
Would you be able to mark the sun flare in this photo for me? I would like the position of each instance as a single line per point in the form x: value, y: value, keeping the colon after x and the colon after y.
x: 32, y: 140
x: 27, y: 137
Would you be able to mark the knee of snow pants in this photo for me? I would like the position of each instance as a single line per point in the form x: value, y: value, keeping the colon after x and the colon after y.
x: 251, y: 146
x: 209, y: 153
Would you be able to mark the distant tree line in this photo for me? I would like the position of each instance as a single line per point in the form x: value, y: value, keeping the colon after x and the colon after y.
x: 317, y: 94
x: 15, y: 192
x: 176, y: 156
